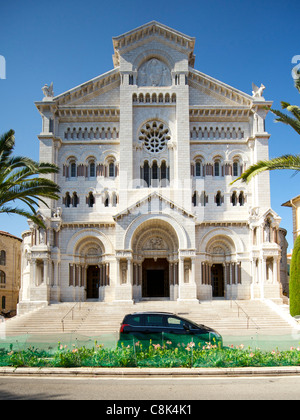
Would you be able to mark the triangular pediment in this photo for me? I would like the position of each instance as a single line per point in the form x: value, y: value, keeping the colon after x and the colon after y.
x: 153, y: 202
x: 205, y: 91
x: 149, y: 31
x: 272, y: 215
x: 93, y: 92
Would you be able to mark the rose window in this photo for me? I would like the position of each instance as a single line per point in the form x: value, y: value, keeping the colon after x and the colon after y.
x: 155, y: 136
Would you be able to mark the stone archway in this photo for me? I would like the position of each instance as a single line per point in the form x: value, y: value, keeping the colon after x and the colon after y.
x: 221, y: 270
x: 155, y: 248
x: 90, y: 270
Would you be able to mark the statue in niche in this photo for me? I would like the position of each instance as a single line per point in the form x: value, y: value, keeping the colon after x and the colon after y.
x: 154, y: 73
x: 186, y: 273
x: 124, y: 273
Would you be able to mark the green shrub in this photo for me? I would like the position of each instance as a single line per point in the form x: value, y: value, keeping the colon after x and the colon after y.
x: 295, y: 280
x: 154, y: 355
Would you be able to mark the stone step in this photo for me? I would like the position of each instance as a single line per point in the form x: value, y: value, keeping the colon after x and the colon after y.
x: 95, y: 318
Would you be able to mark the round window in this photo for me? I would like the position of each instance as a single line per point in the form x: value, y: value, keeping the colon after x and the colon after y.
x: 155, y: 136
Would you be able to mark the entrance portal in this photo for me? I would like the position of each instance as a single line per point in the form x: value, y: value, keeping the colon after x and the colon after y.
x: 217, y: 275
x: 93, y: 280
x: 155, y: 278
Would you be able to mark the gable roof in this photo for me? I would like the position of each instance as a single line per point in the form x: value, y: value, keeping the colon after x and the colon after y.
x: 291, y: 201
x: 154, y: 29
x: 149, y: 197
x: 226, y: 94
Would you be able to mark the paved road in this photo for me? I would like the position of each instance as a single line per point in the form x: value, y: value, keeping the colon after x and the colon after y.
x: 132, y: 390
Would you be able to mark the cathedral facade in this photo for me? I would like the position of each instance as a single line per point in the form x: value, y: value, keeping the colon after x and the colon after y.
x: 147, y: 154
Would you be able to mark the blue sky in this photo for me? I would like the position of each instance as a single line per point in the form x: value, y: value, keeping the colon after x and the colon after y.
x: 70, y: 42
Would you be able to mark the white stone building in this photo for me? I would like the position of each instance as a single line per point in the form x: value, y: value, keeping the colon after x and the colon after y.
x: 147, y: 153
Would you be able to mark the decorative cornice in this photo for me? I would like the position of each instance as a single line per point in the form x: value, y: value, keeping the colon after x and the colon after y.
x: 85, y: 225
x: 88, y: 113
x: 219, y: 113
x: 224, y: 224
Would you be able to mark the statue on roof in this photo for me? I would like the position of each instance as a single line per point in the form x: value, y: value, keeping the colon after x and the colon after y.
x: 257, y: 92
x: 48, y: 91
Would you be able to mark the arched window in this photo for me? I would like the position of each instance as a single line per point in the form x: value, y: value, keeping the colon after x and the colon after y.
x: 92, y: 170
x: 2, y: 258
x: 154, y: 170
x: 235, y: 169
x: 91, y: 200
x: 219, y: 199
x: 194, y: 199
x: 217, y: 168
x: 106, y: 200
x: 111, y: 170
x: 234, y: 199
x: 75, y: 200
x: 163, y: 170
x: 203, y: 199
x: 242, y: 199
x: 198, y: 168
x: 73, y: 172
x: 67, y: 200
x: 2, y: 279
x: 114, y: 199
x: 147, y: 173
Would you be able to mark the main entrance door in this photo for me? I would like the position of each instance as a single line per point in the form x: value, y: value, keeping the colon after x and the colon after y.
x: 217, y: 275
x: 155, y: 282
x: 93, y: 280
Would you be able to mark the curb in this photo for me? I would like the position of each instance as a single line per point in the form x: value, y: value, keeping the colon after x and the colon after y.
x: 149, y: 372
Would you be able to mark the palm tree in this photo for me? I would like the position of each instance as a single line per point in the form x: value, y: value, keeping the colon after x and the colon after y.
x: 20, y: 181
x: 286, y: 161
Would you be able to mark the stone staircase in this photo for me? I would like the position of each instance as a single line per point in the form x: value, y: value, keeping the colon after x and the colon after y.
x: 92, y: 319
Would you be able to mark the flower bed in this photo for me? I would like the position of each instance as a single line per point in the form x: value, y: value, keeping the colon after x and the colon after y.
x: 153, y: 355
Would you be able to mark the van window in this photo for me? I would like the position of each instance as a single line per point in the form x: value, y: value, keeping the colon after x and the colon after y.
x: 174, y: 322
x: 135, y: 320
x: 155, y: 320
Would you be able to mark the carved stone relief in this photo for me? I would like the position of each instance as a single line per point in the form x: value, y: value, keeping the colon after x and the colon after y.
x: 155, y: 243
x: 154, y: 73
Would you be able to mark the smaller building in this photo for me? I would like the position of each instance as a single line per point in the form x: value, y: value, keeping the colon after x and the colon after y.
x: 10, y: 272
x: 284, y: 268
x: 295, y: 204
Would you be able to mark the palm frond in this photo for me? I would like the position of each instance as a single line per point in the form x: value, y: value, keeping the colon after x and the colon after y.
x: 293, y: 122
x: 21, y: 180
x: 7, y: 143
x: 283, y: 162
x: 32, y: 216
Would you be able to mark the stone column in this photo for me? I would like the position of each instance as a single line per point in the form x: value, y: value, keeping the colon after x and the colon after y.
x: 140, y: 280
x: 46, y: 273
x: 275, y: 270
x: 171, y: 275
x: 118, y: 272
x: 193, y: 271
x: 129, y: 271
